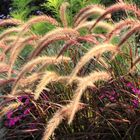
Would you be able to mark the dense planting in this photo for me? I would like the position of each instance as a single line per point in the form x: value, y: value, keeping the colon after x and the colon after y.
x: 79, y: 79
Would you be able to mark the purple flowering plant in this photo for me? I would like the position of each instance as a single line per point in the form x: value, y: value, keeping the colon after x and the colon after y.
x: 11, y: 118
x: 136, y: 91
x: 27, y: 117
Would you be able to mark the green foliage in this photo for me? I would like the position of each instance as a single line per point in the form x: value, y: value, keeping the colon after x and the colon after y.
x: 21, y: 4
x: 53, y: 5
x: 75, y: 6
x: 22, y: 9
x: 42, y: 28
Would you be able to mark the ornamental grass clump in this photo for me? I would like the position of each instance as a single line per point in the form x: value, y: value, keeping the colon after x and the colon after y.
x: 80, y: 80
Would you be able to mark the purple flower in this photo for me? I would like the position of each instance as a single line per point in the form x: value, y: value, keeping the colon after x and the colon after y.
x: 27, y: 111
x: 13, y: 121
x: 16, y: 119
x: 136, y: 91
x: 24, y: 97
x: 20, y: 107
x: 112, y: 99
x: 110, y: 95
x: 135, y: 103
x: 129, y: 84
x: 133, y: 88
x: 14, y: 116
x: 101, y: 97
x: 9, y: 114
x: 27, y: 101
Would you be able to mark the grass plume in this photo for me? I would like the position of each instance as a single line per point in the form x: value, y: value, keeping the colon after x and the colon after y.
x: 94, y: 52
x: 83, y: 84
x: 117, y: 7
x: 63, y: 15
x: 34, y: 62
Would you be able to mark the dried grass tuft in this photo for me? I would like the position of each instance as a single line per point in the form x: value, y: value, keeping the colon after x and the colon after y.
x: 119, y: 26
x: 83, y: 84
x: 101, y: 24
x: 56, y: 34
x: 88, y: 11
x: 57, y: 118
x: 40, y: 60
x: 117, y: 7
x: 3, y: 67
x: 10, y: 21
x: 38, y: 19
x: 9, y: 31
x: 11, y: 106
x: 17, y: 49
x: 46, y: 79
x: 94, y: 52
x: 129, y: 34
x: 30, y: 79
x: 63, y: 15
